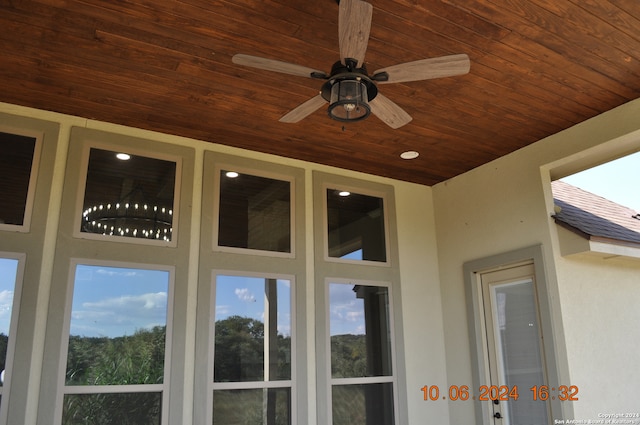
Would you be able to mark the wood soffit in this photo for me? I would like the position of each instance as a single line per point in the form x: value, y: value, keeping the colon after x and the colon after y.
x: 537, y: 67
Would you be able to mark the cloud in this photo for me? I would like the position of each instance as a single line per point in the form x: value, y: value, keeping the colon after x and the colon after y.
x: 244, y: 294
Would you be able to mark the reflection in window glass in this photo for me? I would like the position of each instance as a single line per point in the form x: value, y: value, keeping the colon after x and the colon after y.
x: 118, y: 326
x: 254, y: 212
x: 268, y: 406
x: 355, y: 226
x: 116, y: 409
x: 369, y: 404
x: 8, y: 276
x: 361, y: 363
x: 252, y: 329
x: 130, y: 196
x: 15, y: 173
x: 252, y: 351
x: 360, y: 331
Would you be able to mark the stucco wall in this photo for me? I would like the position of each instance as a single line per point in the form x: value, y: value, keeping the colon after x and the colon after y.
x: 506, y: 205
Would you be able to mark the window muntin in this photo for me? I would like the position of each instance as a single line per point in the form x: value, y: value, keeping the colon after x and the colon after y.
x: 361, y: 341
x: 252, y: 356
x: 17, y: 178
x: 254, y: 212
x: 116, y: 353
x: 355, y: 226
x: 130, y: 198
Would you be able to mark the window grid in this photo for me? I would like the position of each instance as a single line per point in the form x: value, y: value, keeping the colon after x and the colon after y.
x: 343, y: 382
x: 117, y: 389
x: 265, y: 384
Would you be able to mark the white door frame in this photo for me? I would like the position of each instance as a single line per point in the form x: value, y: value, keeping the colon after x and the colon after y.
x: 557, y: 367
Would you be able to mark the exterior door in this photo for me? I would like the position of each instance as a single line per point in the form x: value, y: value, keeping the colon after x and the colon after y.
x: 514, y: 343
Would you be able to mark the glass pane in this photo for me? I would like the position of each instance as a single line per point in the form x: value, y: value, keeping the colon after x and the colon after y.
x: 360, y: 331
x: 8, y: 276
x: 270, y: 406
x: 255, y: 212
x: 129, y: 197
x: 355, y: 226
x: 112, y: 409
x: 367, y: 404
x: 118, y: 326
x: 15, y: 172
x: 252, y: 329
x: 519, y: 350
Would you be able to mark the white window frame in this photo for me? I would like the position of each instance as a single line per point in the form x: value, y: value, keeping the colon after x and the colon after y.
x: 163, y: 388
x: 5, y: 390
x: 361, y: 380
x: 359, y: 191
x: 31, y: 190
x: 134, y: 151
x: 214, y: 386
x: 219, y: 166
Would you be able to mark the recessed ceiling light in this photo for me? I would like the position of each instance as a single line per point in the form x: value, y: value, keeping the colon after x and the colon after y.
x: 344, y: 193
x: 409, y: 155
x: 232, y: 174
x: 123, y: 156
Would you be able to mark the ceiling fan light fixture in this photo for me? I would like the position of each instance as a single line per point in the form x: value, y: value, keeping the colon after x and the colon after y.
x: 349, y: 101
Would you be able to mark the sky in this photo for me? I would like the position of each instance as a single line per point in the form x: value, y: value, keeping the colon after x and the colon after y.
x: 8, y: 272
x: 617, y: 181
x: 114, y: 301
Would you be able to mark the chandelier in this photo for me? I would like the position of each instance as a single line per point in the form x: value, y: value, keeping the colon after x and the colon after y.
x: 129, y: 219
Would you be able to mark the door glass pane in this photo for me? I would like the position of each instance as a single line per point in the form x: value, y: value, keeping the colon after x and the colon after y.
x: 254, y: 213
x: 8, y: 276
x: 15, y: 173
x: 112, y: 409
x: 252, y: 329
x: 360, y: 331
x: 355, y: 226
x: 118, y: 326
x: 367, y: 404
x: 268, y: 406
x: 128, y: 195
x: 520, y: 363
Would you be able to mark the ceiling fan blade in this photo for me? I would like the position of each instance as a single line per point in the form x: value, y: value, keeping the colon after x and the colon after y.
x: 276, y: 66
x: 426, y: 69
x: 354, y: 25
x: 389, y: 112
x: 304, y: 110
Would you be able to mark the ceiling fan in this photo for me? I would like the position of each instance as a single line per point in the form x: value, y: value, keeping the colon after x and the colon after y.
x: 352, y: 92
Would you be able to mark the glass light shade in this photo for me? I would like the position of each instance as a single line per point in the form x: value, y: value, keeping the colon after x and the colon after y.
x: 349, y: 101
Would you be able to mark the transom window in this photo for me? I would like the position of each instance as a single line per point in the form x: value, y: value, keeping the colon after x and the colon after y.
x: 17, y: 175
x: 129, y: 196
x: 355, y: 226
x: 254, y: 212
x: 252, y: 356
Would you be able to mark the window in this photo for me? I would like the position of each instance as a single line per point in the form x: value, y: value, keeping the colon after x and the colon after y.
x: 361, y: 340
x: 355, y: 226
x: 17, y: 179
x: 129, y: 196
x: 117, y: 353
x: 10, y: 269
x: 252, y: 356
x: 254, y: 212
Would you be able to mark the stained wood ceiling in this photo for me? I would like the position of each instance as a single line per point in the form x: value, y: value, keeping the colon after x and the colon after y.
x: 537, y: 67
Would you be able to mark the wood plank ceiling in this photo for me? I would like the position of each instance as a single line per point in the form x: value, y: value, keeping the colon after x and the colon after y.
x: 537, y: 67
